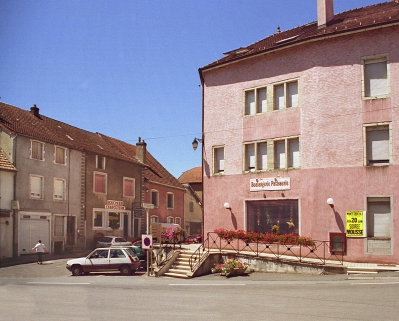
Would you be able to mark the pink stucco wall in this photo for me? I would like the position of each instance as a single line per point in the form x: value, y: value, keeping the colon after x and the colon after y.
x: 329, y: 122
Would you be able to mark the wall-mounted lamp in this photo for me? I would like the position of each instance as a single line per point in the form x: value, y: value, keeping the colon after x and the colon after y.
x: 227, y: 206
x: 195, y: 142
x: 330, y: 202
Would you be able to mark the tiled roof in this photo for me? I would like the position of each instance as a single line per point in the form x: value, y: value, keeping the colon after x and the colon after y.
x: 154, y: 171
x: 46, y: 129
x: 193, y: 175
x: 374, y: 16
x: 5, y: 163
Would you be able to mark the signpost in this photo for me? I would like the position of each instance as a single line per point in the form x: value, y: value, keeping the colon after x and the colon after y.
x: 147, y: 207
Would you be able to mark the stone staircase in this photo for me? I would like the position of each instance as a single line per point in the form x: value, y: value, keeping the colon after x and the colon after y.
x: 181, y: 266
x: 371, y: 268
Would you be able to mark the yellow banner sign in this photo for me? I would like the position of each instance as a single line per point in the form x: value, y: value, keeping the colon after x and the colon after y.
x: 355, y: 224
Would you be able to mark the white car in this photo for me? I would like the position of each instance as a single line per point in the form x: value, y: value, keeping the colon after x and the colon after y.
x: 106, y: 241
x: 105, y: 259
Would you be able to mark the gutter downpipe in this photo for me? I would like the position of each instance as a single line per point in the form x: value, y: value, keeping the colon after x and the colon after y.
x: 202, y: 156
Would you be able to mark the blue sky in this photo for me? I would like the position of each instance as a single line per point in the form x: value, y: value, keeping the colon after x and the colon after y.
x: 130, y: 68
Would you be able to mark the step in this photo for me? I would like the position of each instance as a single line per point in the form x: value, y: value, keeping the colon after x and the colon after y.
x: 176, y: 275
x: 177, y: 271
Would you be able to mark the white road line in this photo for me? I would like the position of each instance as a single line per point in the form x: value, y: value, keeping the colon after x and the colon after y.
x: 374, y: 283
x: 206, y: 284
x: 57, y: 283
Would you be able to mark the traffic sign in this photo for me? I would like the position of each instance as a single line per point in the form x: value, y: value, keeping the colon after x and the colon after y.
x: 146, y: 241
x: 148, y: 205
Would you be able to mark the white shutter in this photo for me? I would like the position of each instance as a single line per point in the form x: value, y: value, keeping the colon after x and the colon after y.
x: 379, y: 219
x: 58, y: 189
x: 376, y: 79
x: 294, y: 153
x: 262, y: 100
x: 262, y: 156
x: 280, y: 154
x: 35, y: 187
x: 279, y: 97
x: 250, y: 102
x: 292, y: 89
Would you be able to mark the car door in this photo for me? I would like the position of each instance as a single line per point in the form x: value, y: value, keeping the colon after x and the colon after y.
x: 97, y: 261
x: 117, y: 258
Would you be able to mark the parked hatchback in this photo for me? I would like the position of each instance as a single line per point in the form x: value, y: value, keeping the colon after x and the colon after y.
x: 104, y: 260
x: 107, y: 241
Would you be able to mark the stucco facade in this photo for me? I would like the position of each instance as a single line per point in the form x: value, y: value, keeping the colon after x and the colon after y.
x: 325, y: 129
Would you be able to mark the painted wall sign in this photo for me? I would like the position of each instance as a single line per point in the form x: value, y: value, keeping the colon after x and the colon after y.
x: 355, y: 224
x: 269, y: 184
x: 115, y: 205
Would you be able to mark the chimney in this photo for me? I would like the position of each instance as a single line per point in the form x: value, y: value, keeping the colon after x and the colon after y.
x: 141, y: 150
x: 34, y: 110
x: 325, y: 12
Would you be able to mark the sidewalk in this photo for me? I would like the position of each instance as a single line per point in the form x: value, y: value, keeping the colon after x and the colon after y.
x: 32, y: 258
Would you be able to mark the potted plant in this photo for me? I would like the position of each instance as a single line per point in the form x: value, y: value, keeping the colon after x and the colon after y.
x: 231, y: 267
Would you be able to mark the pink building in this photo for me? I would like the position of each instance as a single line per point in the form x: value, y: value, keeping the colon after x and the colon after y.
x: 304, y: 116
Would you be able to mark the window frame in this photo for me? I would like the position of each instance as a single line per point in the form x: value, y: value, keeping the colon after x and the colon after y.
x: 216, y: 164
x: 366, y: 156
x: 63, y: 196
x: 368, y: 60
x: 288, y: 156
x: 32, y: 153
x: 286, y: 96
x: 95, y: 173
x: 100, y: 162
x: 170, y: 200
x: 178, y: 220
x: 103, y: 213
x: 170, y: 220
x: 133, y: 182
x: 153, y: 192
x: 258, y: 106
x: 64, y: 156
x: 256, y: 156
x: 41, y: 195
x: 154, y: 219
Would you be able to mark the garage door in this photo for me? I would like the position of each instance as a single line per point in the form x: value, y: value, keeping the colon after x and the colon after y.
x: 31, y: 231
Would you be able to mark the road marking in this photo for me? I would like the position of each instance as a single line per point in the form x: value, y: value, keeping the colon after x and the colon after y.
x: 206, y: 284
x: 57, y: 283
x: 374, y: 283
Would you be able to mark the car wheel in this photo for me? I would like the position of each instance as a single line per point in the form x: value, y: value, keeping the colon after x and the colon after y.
x: 125, y: 270
x: 76, y: 270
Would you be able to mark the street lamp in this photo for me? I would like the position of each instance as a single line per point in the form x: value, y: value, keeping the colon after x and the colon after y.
x: 195, y: 142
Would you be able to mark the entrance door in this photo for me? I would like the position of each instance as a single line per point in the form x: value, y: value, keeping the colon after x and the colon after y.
x: 71, y: 223
x: 32, y: 231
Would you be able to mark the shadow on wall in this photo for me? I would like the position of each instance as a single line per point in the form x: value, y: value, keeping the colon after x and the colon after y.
x: 340, y: 222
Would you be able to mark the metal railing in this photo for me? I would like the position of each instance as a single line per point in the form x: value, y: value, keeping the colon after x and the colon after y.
x: 319, y: 253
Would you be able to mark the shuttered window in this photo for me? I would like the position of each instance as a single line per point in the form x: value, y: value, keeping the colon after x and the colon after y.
x: 377, y: 145
x: 59, y: 189
x: 36, y: 187
x: 375, y: 78
x: 100, y: 183
x: 37, y: 150
x: 60, y: 155
x: 128, y: 187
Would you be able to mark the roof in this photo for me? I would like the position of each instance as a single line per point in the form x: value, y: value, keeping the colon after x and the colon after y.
x: 373, y: 16
x: 24, y: 122
x: 193, y: 175
x: 5, y: 163
x: 155, y: 172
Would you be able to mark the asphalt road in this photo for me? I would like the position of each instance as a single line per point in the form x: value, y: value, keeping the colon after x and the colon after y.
x: 49, y: 292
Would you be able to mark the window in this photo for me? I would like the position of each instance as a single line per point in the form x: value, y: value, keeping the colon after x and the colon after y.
x: 377, y: 151
x: 59, y: 189
x: 255, y: 156
x: 177, y: 220
x: 287, y: 153
x: 264, y: 216
x: 36, y: 186
x: 128, y: 187
x: 98, y: 219
x: 379, y: 224
x: 100, y: 183
x: 59, y: 225
x: 286, y: 95
x: 154, y: 218
x: 60, y: 155
x: 154, y: 198
x: 337, y: 243
x: 170, y: 220
x: 114, y: 220
x: 191, y: 207
x: 37, y: 150
x: 170, y: 199
x: 255, y: 101
x: 218, y: 160
x: 100, y: 162
x: 375, y: 76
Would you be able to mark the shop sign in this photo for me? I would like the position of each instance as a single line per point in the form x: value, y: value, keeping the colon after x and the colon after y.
x: 269, y: 184
x: 115, y: 205
x: 355, y: 224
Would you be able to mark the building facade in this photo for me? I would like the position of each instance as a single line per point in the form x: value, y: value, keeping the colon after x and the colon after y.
x: 305, y: 116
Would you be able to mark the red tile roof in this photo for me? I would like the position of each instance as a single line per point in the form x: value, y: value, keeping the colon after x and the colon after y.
x: 374, y: 16
x: 46, y: 129
x: 193, y: 175
x: 5, y: 163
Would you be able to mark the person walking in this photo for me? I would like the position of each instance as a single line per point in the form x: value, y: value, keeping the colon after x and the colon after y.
x: 40, y: 249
